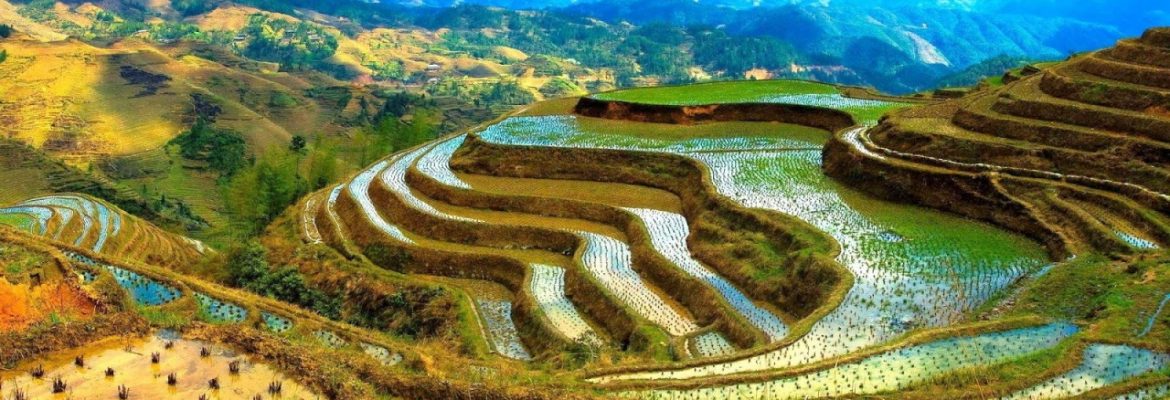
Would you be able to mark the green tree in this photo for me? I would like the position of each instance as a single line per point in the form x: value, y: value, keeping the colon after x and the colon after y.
x: 5, y: 31
x: 322, y: 166
x: 298, y: 144
x: 224, y: 151
x: 257, y: 194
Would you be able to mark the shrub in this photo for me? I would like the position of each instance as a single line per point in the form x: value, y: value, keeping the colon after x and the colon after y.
x: 248, y: 268
x: 5, y: 31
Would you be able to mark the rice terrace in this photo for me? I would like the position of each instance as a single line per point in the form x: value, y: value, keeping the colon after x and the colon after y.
x: 301, y: 199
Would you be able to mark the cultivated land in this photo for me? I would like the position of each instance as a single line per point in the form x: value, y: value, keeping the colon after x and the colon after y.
x: 752, y: 240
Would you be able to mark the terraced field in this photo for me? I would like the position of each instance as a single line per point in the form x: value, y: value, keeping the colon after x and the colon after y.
x: 86, y: 222
x: 1081, y: 144
x: 692, y: 233
x: 745, y: 240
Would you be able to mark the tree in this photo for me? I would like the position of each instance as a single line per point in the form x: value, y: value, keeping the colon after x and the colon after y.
x: 257, y: 194
x: 298, y: 144
x: 224, y: 151
x: 322, y: 166
x: 5, y: 31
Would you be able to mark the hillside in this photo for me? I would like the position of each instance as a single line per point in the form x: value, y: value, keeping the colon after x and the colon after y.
x: 359, y: 200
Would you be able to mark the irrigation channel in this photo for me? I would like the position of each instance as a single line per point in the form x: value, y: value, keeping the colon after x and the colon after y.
x: 914, y: 268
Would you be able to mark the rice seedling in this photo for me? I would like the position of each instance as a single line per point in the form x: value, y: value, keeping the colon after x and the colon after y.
x: 59, y: 385
x: 220, y: 311
x: 382, y: 354
x: 890, y: 371
x: 668, y: 235
x: 497, y: 318
x: 359, y: 190
x: 609, y: 260
x: 548, y: 287
x: 1101, y: 365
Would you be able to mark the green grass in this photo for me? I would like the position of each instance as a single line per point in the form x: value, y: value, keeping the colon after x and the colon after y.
x: 865, y: 111
x: 162, y: 318
x: 19, y: 221
x: 717, y: 92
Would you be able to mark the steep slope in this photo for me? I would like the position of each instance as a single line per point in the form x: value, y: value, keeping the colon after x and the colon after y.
x: 1078, y: 151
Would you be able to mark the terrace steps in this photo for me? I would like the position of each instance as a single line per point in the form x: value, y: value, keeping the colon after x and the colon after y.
x: 1136, y: 52
x: 395, y: 205
x: 1140, y: 75
x: 1069, y: 81
x: 617, y: 216
x: 1084, y: 142
x: 84, y: 221
x: 977, y: 114
x: 1028, y: 99
x: 942, y: 138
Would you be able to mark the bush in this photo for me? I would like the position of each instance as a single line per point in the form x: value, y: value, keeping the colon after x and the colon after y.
x: 224, y: 151
x: 191, y: 7
x: 248, y: 268
x: 3, y: 55
x: 5, y: 31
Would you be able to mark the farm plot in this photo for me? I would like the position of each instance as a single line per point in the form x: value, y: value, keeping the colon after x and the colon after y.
x: 382, y: 354
x: 395, y: 178
x: 497, y: 318
x: 1102, y: 365
x: 144, y: 368
x: 359, y: 190
x: 1154, y: 317
x: 717, y: 92
x: 275, y: 322
x: 865, y: 111
x: 142, y: 290
x: 668, y: 235
x: 74, y: 206
x: 581, y: 132
x: 711, y: 344
x: 220, y: 311
x: 609, y: 260
x: 914, y: 268
x: 548, y: 288
x: 99, y: 227
x: 890, y: 371
x: 32, y: 219
x: 309, y: 220
x: 1150, y: 393
x: 434, y: 164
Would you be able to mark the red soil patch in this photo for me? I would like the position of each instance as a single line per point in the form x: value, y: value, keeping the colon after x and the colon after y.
x: 22, y: 305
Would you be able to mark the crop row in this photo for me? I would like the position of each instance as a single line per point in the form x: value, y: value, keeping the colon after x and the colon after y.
x: 568, y: 131
x: 497, y: 318
x: 548, y: 287
x: 668, y: 235
x: 610, y: 261
x: 1102, y: 365
x: 890, y: 371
